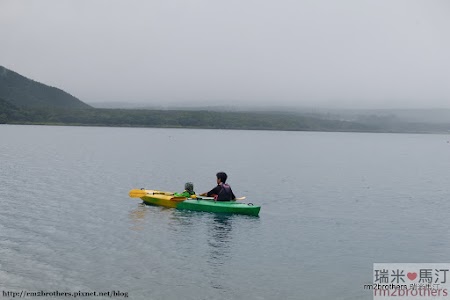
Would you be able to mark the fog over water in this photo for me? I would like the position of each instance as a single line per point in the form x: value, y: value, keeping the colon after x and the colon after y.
x: 346, y: 54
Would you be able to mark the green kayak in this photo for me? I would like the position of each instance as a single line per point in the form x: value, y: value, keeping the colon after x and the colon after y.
x: 231, y: 207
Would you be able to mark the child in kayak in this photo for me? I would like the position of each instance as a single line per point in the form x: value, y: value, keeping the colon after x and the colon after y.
x: 222, y: 192
x: 188, y: 191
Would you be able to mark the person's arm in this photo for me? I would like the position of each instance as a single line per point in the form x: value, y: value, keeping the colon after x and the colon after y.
x: 233, y: 197
x: 212, y: 192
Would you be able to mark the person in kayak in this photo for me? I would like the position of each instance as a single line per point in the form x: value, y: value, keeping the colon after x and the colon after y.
x: 222, y: 192
x: 188, y: 191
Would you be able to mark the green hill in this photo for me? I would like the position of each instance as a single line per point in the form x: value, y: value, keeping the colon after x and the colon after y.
x: 24, y: 92
x: 8, y: 112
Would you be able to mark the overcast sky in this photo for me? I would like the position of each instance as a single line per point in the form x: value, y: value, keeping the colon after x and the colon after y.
x: 349, y: 53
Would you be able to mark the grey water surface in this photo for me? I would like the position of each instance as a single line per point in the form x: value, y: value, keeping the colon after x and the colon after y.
x: 332, y: 205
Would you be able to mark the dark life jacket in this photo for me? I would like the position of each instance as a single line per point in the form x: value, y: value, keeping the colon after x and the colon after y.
x: 225, y: 193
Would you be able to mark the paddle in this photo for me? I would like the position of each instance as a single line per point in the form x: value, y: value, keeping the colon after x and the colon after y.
x: 137, y: 193
x: 211, y: 198
x: 141, y: 193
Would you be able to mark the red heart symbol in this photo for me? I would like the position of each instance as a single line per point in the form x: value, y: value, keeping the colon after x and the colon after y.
x: 412, y: 276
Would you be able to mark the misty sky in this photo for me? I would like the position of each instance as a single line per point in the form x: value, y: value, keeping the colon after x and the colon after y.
x: 347, y: 53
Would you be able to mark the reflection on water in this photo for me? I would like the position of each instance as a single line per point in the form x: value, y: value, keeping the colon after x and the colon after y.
x: 208, y: 236
x: 219, y: 242
x: 219, y: 236
x: 137, y: 217
x: 181, y: 219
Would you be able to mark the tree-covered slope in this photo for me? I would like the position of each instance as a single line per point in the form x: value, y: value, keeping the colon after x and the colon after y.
x: 24, y: 92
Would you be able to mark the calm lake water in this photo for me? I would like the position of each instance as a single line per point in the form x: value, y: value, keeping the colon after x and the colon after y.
x: 332, y: 205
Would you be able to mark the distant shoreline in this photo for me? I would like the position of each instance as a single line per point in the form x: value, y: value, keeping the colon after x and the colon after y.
x: 26, y: 102
x: 234, y: 129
